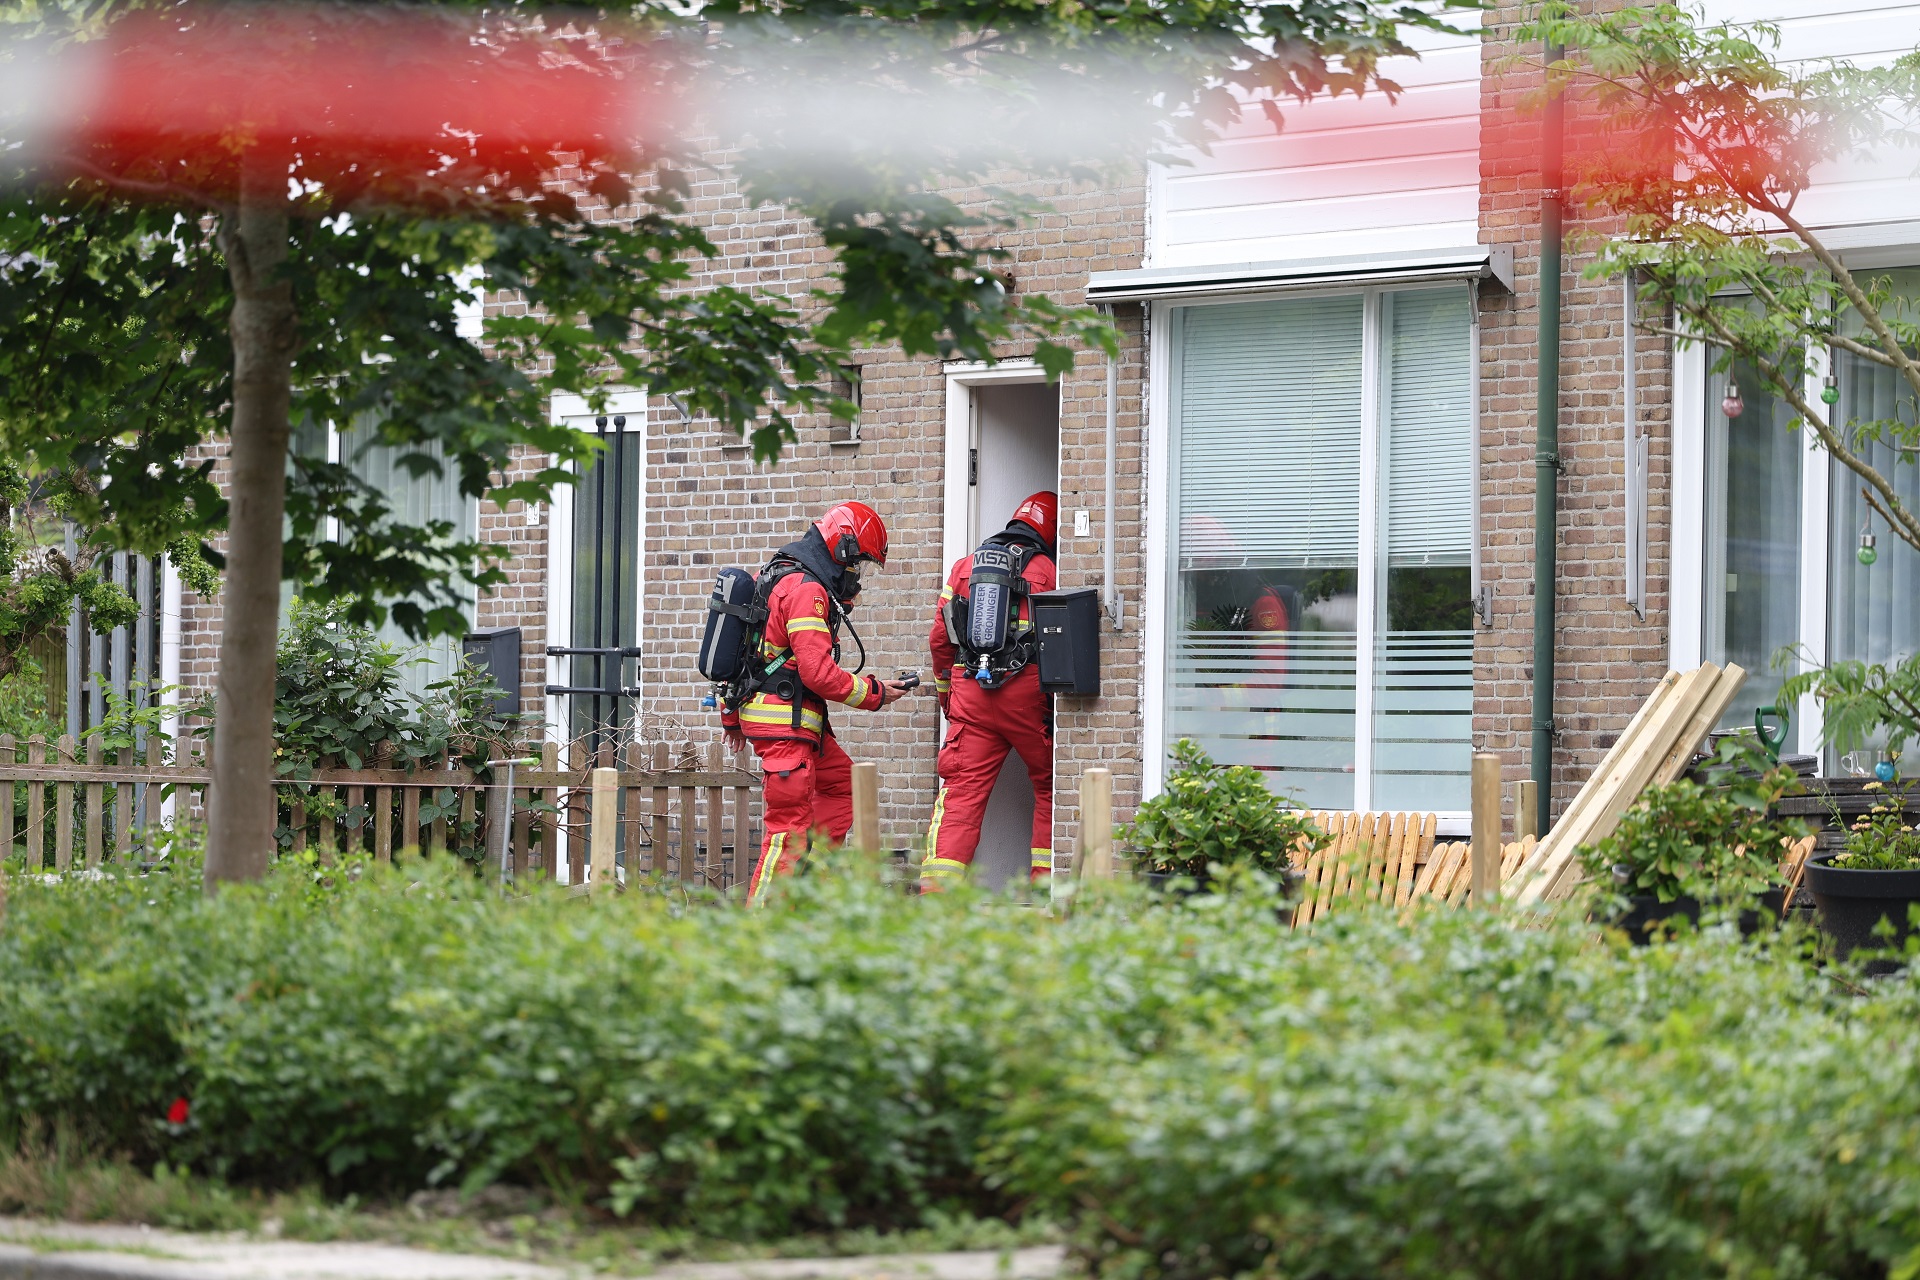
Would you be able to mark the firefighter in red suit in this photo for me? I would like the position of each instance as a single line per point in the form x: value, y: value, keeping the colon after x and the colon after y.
x: 807, y: 776
x: 986, y: 720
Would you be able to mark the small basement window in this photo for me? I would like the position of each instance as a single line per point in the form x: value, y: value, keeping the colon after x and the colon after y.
x: 845, y: 385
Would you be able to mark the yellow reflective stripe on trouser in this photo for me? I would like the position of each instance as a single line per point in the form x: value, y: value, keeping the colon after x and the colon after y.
x: 931, y: 867
x: 762, y: 874
x: 933, y: 824
x: 1043, y: 860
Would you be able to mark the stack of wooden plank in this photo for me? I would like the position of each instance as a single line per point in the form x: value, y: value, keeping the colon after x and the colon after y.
x: 1656, y: 747
x: 1448, y: 877
x: 1372, y: 856
x: 1389, y: 857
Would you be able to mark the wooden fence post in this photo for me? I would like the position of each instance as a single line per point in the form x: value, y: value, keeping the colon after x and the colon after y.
x: 1486, y: 826
x: 1096, y: 824
x: 866, y: 806
x: 606, y: 827
x: 1526, y: 810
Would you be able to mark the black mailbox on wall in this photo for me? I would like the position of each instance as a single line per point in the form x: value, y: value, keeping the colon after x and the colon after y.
x: 1068, y: 623
x: 496, y: 651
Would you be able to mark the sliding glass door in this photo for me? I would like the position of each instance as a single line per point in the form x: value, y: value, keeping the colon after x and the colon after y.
x: 1323, y: 524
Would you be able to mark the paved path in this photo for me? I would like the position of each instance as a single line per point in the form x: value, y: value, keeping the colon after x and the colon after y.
x: 31, y: 1250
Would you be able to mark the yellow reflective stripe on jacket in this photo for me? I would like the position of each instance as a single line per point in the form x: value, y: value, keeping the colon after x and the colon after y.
x: 862, y: 686
x: 763, y: 712
x: 942, y: 684
x: 946, y: 593
x: 806, y: 624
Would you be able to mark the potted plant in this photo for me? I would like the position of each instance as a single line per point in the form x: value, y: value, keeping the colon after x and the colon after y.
x: 1869, y: 712
x: 1688, y: 843
x: 1865, y: 892
x: 1212, y: 819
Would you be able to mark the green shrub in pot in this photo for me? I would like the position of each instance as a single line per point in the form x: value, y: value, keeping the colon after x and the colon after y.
x: 1217, y: 817
x: 1862, y: 704
x: 1881, y: 839
x: 1688, y: 842
x: 1867, y: 893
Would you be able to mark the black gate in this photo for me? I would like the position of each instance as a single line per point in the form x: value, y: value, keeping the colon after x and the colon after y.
x: 603, y: 648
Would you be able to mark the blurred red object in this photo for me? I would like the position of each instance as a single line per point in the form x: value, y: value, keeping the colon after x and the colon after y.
x: 395, y: 102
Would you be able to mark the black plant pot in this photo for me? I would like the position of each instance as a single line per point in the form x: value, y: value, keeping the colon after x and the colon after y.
x: 1853, y: 903
x: 1176, y: 882
x: 1187, y: 885
x: 1769, y: 912
x: 1646, y: 915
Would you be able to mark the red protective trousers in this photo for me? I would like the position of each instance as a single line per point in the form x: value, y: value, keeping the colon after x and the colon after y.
x: 986, y: 724
x: 806, y: 789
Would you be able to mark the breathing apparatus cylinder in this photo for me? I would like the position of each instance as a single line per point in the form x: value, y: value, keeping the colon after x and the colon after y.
x: 990, y: 586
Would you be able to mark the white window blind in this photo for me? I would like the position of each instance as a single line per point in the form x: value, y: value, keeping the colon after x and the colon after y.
x: 1428, y: 416
x: 412, y: 499
x: 1270, y: 428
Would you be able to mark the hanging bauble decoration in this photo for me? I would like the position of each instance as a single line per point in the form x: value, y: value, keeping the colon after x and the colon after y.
x: 1733, y: 406
x: 1830, y: 391
x: 1866, y: 554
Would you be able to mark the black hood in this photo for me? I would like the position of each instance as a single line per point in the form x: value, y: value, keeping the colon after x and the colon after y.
x: 1021, y: 531
x: 810, y: 553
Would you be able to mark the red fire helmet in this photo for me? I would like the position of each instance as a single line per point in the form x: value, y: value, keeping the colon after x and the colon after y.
x: 1040, y: 513
x: 854, y: 531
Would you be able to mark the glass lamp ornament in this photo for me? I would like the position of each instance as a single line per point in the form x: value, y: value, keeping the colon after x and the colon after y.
x: 1732, y: 405
x: 1830, y: 390
x: 1866, y: 554
x: 1884, y: 771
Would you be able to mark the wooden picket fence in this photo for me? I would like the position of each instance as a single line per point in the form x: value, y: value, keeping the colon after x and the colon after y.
x: 1391, y: 858
x: 1394, y: 858
x: 679, y: 816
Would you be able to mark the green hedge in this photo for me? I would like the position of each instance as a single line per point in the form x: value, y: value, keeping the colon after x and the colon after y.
x: 1198, y: 1092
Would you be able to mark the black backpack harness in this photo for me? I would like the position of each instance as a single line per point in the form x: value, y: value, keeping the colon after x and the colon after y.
x: 983, y: 623
x: 751, y: 671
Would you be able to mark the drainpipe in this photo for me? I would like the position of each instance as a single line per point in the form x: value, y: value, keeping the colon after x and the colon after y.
x: 1109, y: 558
x: 1546, y: 454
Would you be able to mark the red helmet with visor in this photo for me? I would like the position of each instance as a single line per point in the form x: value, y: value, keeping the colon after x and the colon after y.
x: 1040, y: 513
x: 853, y: 532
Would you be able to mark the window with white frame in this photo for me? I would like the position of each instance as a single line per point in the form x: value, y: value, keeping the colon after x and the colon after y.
x: 1752, y: 550
x: 417, y: 495
x: 1322, y: 520
x: 1782, y: 577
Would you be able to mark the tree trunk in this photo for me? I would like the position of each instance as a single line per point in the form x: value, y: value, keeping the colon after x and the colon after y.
x: 240, y: 799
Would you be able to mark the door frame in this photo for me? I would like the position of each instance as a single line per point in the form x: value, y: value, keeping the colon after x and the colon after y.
x: 560, y: 546
x: 962, y: 427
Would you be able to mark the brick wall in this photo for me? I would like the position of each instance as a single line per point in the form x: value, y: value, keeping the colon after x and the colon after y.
x: 710, y: 506
x: 199, y: 615
x: 1608, y: 658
